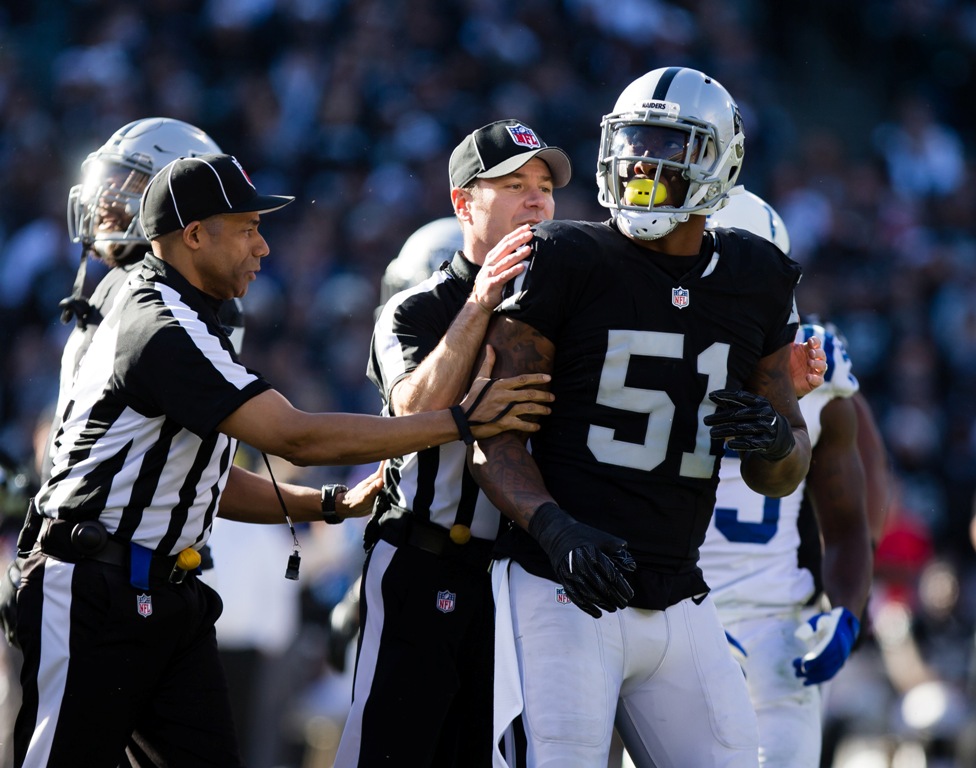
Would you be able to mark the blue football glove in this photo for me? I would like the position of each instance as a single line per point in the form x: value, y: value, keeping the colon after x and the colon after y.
x: 833, y: 635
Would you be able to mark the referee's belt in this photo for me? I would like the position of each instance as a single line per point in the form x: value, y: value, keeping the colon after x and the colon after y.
x: 67, y: 541
x: 435, y: 539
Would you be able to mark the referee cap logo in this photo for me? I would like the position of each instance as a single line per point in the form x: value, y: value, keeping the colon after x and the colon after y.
x: 501, y: 148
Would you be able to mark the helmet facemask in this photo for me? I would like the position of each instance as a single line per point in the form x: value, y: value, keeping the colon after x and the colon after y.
x: 103, y: 210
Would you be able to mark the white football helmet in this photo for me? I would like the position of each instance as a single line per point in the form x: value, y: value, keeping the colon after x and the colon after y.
x: 421, y: 255
x: 744, y: 210
x: 673, y: 146
x: 103, y: 210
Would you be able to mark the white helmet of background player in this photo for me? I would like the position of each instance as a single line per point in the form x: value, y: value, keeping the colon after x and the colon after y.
x: 672, y: 147
x: 744, y: 210
x: 421, y: 255
x: 103, y: 210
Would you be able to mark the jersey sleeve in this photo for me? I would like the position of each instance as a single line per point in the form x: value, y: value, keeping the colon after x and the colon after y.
x: 778, y: 275
x: 544, y: 294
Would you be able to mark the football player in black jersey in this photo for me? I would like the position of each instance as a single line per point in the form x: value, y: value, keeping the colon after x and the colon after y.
x: 663, y: 342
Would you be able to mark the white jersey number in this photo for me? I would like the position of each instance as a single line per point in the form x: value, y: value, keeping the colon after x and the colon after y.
x: 659, y: 407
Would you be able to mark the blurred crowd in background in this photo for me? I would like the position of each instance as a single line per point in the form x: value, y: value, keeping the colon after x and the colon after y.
x: 859, y: 120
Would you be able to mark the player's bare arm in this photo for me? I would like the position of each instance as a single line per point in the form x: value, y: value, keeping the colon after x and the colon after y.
x: 772, y: 379
x: 502, y: 465
x: 444, y: 375
x: 519, y: 348
x: 344, y: 438
x: 874, y: 457
x: 836, y: 484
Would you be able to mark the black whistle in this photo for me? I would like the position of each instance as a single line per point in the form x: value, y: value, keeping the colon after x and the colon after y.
x: 291, y: 572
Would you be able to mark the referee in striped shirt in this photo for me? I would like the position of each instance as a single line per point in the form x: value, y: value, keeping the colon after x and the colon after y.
x: 117, y: 631
x: 423, y: 684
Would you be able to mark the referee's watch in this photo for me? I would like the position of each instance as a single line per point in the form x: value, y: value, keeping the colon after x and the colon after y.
x: 329, y: 493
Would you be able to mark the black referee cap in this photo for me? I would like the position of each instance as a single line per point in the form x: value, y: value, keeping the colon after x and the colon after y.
x: 503, y: 147
x: 196, y: 188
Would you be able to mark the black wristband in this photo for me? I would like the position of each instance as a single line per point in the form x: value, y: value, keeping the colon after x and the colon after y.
x: 547, y: 520
x: 464, y: 429
x: 329, y: 493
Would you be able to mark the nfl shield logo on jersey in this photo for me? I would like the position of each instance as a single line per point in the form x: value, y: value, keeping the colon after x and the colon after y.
x: 144, y: 605
x: 562, y: 597
x: 445, y: 601
x: 680, y: 297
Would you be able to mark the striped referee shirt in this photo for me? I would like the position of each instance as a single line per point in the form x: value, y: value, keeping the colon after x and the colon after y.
x: 138, y: 447
x: 434, y: 484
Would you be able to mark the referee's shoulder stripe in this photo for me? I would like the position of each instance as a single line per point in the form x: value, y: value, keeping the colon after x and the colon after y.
x: 203, y: 339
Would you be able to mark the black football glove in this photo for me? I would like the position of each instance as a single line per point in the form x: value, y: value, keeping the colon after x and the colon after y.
x: 749, y: 423
x: 588, y: 563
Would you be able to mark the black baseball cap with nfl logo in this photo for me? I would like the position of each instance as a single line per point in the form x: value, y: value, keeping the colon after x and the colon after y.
x: 196, y: 188
x: 503, y: 147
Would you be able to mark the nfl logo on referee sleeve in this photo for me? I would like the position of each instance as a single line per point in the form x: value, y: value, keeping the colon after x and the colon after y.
x: 445, y: 601
x: 680, y: 297
x: 144, y: 605
x: 561, y: 596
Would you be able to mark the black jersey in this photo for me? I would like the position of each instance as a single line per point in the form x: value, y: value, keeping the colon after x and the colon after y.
x: 139, y: 447
x: 641, y: 339
x: 434, y: 484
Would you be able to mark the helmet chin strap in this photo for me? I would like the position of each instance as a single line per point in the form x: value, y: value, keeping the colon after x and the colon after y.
x: 76, y: 305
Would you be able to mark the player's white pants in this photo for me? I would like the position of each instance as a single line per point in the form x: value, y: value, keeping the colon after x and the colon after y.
x: 789, y: 712
x: 672, y: 671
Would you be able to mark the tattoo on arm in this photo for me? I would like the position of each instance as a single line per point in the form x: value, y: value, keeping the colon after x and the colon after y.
x: 519, y: 348
x: 772, y: 379
x: 508, y: 475
x: 503, y: 466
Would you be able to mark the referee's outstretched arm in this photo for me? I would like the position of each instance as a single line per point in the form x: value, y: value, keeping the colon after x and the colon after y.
x: 271, y: 424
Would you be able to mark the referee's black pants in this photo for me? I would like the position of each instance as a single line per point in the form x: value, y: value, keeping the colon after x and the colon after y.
x: 108, y: 665
x: 422, y: 696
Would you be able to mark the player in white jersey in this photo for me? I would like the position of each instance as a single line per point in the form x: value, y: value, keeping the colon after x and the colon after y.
x: 765, y: 599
